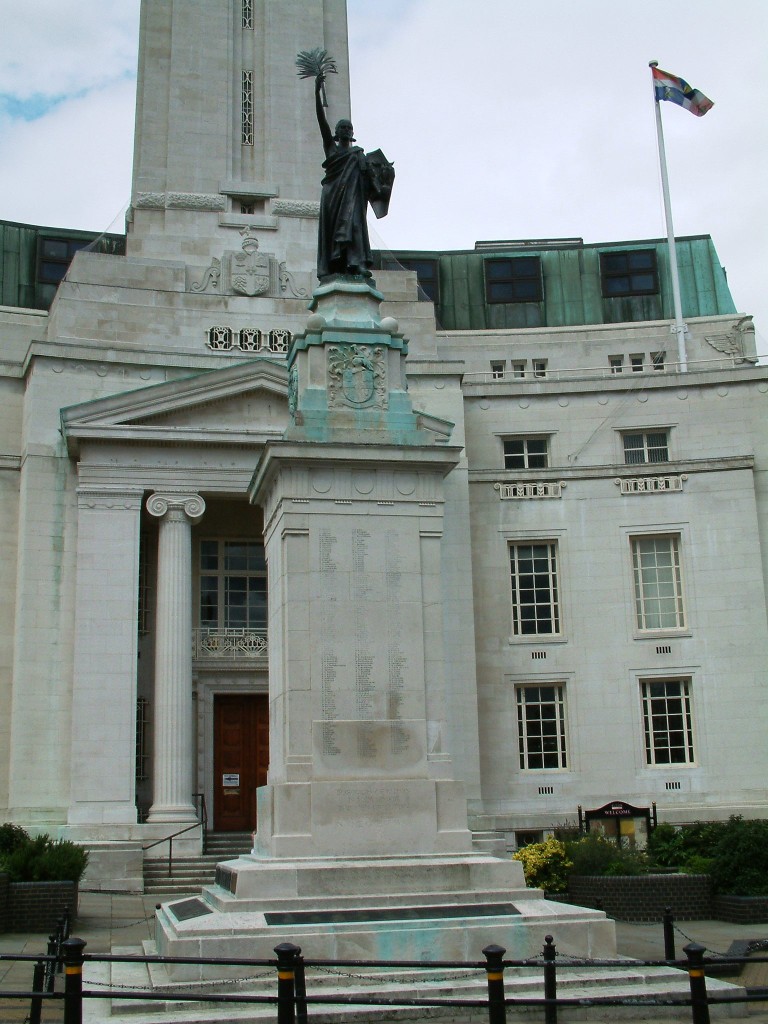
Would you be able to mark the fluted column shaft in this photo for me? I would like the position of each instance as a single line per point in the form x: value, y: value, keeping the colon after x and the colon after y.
x: 173, y: 752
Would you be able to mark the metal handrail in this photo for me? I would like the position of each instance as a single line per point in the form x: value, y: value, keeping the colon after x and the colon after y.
x: 202, y: 817
x: 202, y: 820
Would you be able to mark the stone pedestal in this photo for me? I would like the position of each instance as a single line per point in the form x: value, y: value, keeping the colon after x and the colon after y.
x: 362, y: 847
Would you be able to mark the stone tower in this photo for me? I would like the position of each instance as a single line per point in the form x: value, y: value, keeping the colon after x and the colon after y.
x: 224, y: 136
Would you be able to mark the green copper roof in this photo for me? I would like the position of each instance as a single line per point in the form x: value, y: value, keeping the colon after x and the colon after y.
x: 571, y: 284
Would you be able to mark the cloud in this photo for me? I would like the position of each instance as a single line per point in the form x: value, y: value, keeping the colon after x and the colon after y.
x: 72, y: 166
x: 63, y: 47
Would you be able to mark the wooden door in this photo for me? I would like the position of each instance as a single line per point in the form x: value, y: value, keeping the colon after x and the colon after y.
x: 240, y: 759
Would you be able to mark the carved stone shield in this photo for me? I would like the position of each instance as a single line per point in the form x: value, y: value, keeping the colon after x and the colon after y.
x: 248, y: 272
x: 356, y: 376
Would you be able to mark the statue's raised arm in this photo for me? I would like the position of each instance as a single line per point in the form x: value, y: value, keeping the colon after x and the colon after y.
x: 351, y: 181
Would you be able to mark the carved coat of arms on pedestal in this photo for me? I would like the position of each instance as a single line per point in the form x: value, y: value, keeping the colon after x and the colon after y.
x: 356, y: 376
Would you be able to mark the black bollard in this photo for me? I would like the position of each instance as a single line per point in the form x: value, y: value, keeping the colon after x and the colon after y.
x: 73, y: 980
x: 494, y: 969
x: 669, y: 934
x: 300, y: 987
x: 38, y: 985
x: 698, y: 982
x: 550, y: 980
x: 286, y: 982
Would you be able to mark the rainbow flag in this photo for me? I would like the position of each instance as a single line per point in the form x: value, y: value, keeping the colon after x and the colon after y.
x: 670, y: 87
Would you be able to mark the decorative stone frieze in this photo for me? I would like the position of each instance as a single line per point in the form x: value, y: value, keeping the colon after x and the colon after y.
x: 548, y: 489
x: 179, y: 201
x: 651, y: 484
x: 296, y: 208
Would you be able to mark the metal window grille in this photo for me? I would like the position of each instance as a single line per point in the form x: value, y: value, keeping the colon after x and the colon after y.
x: 526, y: 453
x: 667, y: 721
x: 247, y: 14
x: 647, y: 446
x: 250, y: 339
x: 220, y: 338
x: 541, y: 726
x: 535, y: 602
x: 658, y: 582
x: 246, y: 132
x: 142, y: 737
x: 280, y: 340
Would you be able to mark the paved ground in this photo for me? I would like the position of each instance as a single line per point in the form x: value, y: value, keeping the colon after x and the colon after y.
x: 107, y: 920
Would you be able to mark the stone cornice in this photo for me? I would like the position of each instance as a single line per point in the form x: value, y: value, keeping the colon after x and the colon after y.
x: 746, y: 373
x: 608, y: 472
x: 169, y: 437
x: 228, y: 480
x: 310, y: 455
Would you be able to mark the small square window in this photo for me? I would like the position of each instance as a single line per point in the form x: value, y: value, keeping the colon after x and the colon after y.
x: 513, y: 280
x: 629, y: 273
x: 539, y: 367
x: 637, y: 362
x: 658, y: 360
x: 616, y: 364
x: 646, y: 446
x: 497, y: 369
x: 518, y: 369
x: 526, y: 453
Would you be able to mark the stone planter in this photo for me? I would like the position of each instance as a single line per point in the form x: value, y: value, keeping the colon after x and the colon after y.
x: 644, y: 897
x: 35, y: 906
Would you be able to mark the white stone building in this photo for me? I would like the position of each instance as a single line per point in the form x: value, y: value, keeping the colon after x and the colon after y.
x: 602, y: 615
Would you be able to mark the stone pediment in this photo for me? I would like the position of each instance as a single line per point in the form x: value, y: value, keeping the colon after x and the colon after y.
x: 240, y: 405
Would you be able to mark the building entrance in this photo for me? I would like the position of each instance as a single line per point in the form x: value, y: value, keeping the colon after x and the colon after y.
x: 240, y: 759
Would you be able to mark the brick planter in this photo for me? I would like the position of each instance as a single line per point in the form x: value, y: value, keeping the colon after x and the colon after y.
x: 644, y: 897
x: 741, y: 909
x: 35, y: 906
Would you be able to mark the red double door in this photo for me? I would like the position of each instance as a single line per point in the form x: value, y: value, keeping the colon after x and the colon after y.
x: 240, y: 759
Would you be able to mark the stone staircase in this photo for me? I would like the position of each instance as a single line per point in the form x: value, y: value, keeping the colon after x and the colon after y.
x: 190, y: 874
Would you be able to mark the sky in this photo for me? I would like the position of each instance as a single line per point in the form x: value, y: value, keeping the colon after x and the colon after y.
x: 505, y: 119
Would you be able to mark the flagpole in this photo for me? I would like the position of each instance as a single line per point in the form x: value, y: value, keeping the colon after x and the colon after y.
x: 679, y: 328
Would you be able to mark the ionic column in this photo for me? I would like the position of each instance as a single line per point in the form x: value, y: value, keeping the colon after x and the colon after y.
x: 173, y: 753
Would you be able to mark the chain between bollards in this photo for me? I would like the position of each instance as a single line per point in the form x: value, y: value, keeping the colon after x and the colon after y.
x: 494, y: 968
x: 550, y: 980
x: 287, y: 955
x: 72, y: 950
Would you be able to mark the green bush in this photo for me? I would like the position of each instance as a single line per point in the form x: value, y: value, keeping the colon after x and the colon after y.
x: 739, y: 864
x: 545, y: 865
x: 593, y: 854
x: 42, y: 859
x: 12, y: 837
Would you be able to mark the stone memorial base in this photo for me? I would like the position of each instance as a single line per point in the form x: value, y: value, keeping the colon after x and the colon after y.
x: 374, y: 908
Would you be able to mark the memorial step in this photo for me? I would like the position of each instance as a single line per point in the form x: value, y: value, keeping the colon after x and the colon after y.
x: 630, y: 981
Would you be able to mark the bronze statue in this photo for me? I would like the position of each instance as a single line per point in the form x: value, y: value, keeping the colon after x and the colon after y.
x: 352, y: 180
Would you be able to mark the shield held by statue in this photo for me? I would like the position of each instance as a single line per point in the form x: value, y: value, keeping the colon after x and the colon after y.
x: 382, y: 174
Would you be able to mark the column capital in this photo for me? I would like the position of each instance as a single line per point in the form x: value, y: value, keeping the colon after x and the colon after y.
x: 191, y: 505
